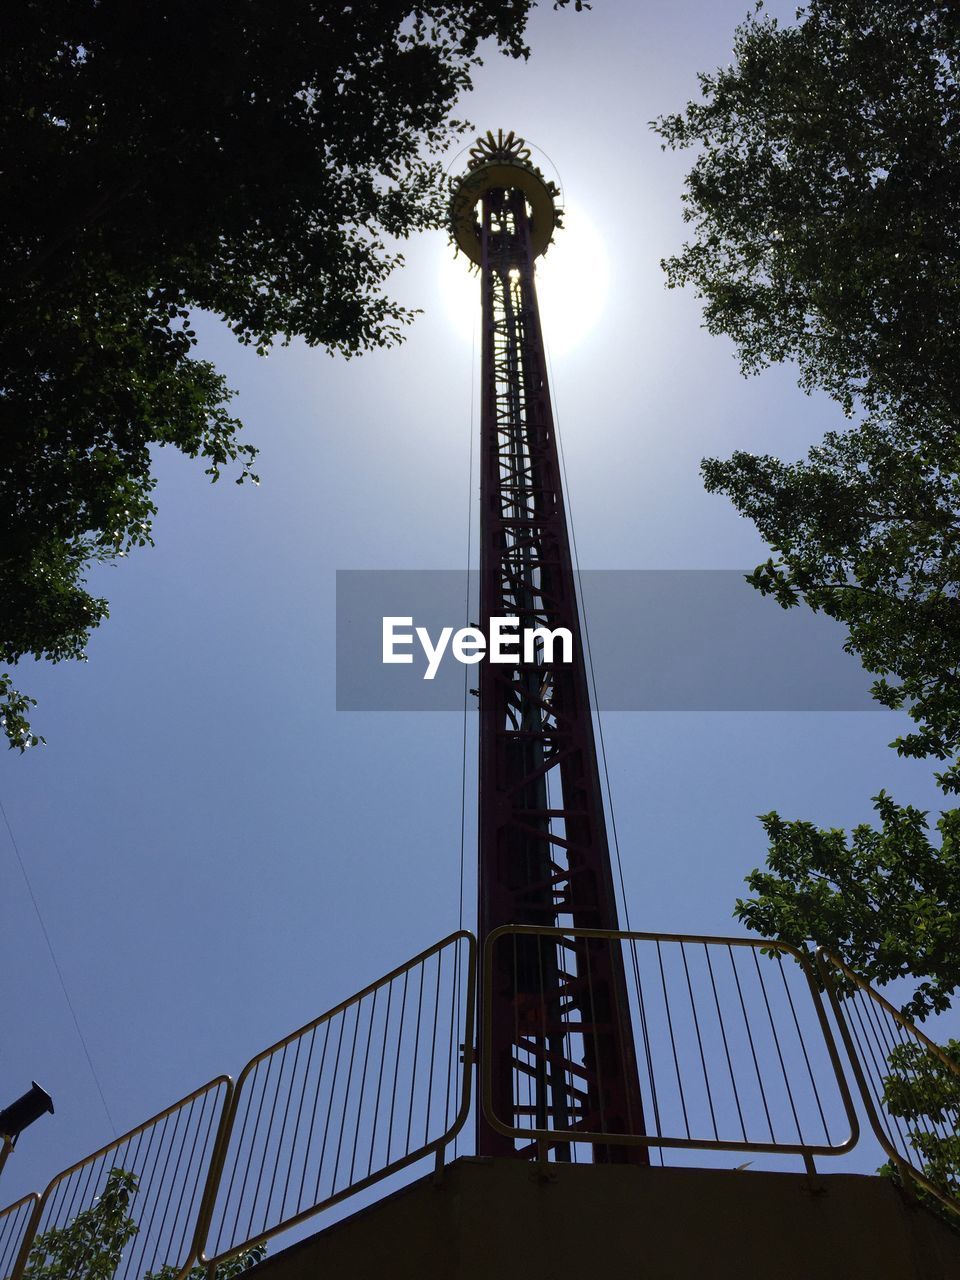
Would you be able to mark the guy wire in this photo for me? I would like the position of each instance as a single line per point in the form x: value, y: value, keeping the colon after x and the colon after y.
x: 586, y: 639
x: 56, y: 965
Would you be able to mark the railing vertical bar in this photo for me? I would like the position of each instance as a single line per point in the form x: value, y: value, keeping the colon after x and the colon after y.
x: 283, y: 1130
x: 753, y: 1051
x: 147, y: 1199
x: 296, y: 1126
x: 416, y: 1058
x: 17, y: 1234
x: 646, y: 1045
x: 726, y: 1046
x: 180, y: 1174
x: 383, y: 1058
x: 931, y: 1126
x: 396, y: 1070
x: 451, y: 1068
x: 93, y: 1175
x: 458, y: 1038
x: 696, y: 1027
x: 203, y: 1163
x: 12, y: 1234
x: 346, y: 1094
x: 51, y: 1212
x: 14, y: 1240
x: 614, y: 967
x: 308, y: 1146
x: 136, y: 1153
x: 433, y: 1054
x: 673, y: 1041
x: 236, y: 1163
x: 363, y: 1081
x: 163, y: 1177
x: 803, y: 1048
x: 864, y: 1044
x: 926, y: 1123
x: 326, y: 1125
x: 49, y: 1208
x: 776, y: 1041
x: 253, y: 1139
x: 256, y: 1129
x: 204, y: 1098
x: 9, y: 1236
x: 887, y: 1045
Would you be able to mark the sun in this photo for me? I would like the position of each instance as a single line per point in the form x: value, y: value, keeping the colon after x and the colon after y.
x: 572, y: 277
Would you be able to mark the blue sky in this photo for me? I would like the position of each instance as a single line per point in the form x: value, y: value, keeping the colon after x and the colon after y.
x: 218, y: 853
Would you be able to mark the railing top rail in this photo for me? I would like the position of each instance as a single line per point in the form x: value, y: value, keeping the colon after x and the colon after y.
x: 341, y: 1098
x: 634, y: 935
x: 17, y: 1221
x: 357, y: 996
x: 823, y: 953
x: 18, y: 1204
x: 885, y: 1119
x: 819, y: 970
x: 215, y: 1083
x: 805, y: 963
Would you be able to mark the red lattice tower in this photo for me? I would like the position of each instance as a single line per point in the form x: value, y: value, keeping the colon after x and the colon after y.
x: 559, y: 1035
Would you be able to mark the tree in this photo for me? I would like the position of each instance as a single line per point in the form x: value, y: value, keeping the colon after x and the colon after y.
x: 923, y: 1092
x: 867, y: 529
x: 887, y: 900
x: 825, y: 197
x: 824, y: 204
x: 228, y: 1270
x: 258, y: 161
x: 824, y: 201
x: 91, y: 1246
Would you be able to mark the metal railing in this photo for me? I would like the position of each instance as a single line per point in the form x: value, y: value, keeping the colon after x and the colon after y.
x: 734, y: 1048
x: 909, y: 1087
x: 14, y: 1222
x: 373, y: 1085
x: 169, y: 1156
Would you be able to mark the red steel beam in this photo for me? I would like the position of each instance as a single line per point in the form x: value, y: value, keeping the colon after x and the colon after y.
x: 561, y: 1042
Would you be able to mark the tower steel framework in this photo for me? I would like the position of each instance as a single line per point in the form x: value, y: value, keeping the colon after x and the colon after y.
x: 560, y: 1039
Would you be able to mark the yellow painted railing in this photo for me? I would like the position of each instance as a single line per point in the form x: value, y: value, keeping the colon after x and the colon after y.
x: 909, y: 1087
x: 15, y: 1223
x: 371, y: 1086
x: 734, y: 1049
x: 733, y: 1043
x: 170, y: 1156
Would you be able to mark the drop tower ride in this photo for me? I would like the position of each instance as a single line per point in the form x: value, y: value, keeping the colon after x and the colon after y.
x: 557, y: 1024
